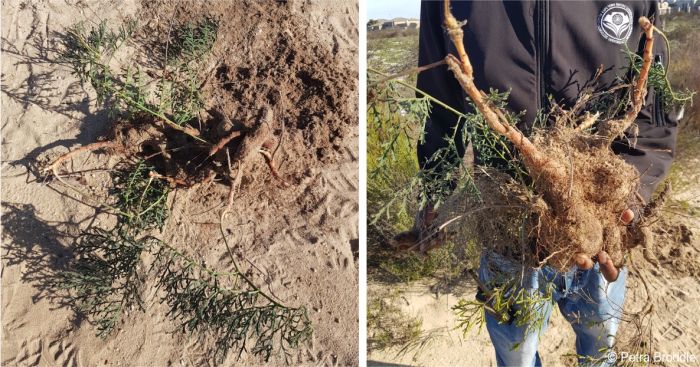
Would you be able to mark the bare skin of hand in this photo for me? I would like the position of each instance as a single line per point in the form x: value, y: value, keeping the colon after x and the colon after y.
x: 610, y: 272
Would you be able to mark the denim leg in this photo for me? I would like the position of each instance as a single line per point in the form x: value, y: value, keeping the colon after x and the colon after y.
x: 594, y: 308
x: 514, y: 345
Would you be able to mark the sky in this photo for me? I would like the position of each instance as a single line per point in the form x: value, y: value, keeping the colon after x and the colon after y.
x: 388, y: 9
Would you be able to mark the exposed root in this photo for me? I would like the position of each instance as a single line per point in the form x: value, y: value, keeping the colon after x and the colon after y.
x: 415, y: 70
x: 255, y: 139
x: 53, y: 167
x: 580, y: 186
x: 273, y: 170
x: 534, y: 159
x: 588, y: 121
x: 173, y: 181
x: 232, y: 191
x: 225, y: 140
x: 614, y: 128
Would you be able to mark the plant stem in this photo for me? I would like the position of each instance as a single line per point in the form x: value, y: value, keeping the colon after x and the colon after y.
x: 425, y: 94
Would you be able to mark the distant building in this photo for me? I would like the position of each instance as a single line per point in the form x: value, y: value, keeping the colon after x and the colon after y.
x: 675, y: 6
x: 396, y: 23
x: 405, y: 23
x: 376, y: 24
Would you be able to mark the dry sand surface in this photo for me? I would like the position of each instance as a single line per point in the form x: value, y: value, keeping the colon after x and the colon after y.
x: 298, y: 58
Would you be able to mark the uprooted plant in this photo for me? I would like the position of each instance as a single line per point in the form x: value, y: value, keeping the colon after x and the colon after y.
x: 106, y: 279
x: 165, y: 140
x: 161, y: 117
x: 566, y: 164
x: 561, y: 192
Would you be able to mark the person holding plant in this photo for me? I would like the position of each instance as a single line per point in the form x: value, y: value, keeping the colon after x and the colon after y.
x: 544, y: 52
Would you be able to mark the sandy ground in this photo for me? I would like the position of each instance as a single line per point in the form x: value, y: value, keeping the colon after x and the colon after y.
x: 674, y: 323
x: 302, y: 240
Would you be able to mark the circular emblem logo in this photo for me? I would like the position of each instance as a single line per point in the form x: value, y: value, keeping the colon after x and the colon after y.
x: 615, y: 23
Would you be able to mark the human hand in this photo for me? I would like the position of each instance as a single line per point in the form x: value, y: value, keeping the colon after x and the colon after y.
x: 607, y: 268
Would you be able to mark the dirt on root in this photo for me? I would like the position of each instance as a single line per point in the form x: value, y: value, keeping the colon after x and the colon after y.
x: 273, y: 75
x: 288, y: 65
x: 545, y: 220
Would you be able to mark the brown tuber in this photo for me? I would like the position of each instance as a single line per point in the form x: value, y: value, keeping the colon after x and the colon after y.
x: 580, y: 187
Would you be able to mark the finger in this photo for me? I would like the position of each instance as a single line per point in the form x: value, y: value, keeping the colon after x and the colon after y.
x: 627, y: 216
x: 607, y: 267
x: 583, y: 261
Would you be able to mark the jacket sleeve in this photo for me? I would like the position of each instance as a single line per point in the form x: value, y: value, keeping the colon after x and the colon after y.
x: 439, y: 83
x: 653, y: 149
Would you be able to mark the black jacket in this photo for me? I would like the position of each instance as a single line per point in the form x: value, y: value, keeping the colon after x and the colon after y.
x: 544, y: 48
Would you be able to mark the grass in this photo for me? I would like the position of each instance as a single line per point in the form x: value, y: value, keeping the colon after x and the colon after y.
x: 684, y: 73
x: 441, y: 262
x: 391, y: 329
x: 389, y: 326
x: 393, y: 54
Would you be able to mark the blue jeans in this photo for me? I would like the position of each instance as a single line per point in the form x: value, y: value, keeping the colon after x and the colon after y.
x: 591, y: 304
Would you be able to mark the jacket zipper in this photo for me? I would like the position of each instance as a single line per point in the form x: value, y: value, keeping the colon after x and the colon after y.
x: 658, y: 98
x: 541, y: 47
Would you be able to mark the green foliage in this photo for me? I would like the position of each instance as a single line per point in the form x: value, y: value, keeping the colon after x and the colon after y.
x: 176, y: 100
x: 470, y: 314
x: 89, y: 54
x: 395, y: 125
x: 107, y: 274
x: 196, y: 296
x: 392, y: 161
x: 388, y: 326
x: 192, y: 41
x: 141, y: 198
x: 103, y: 280
x: 494, y: 148
x: 508, y: 301
x: 658, y: 79
x: 87, y: 51
x: 411, y: 266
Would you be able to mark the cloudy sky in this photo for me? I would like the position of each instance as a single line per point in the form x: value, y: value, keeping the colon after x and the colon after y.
x: 387, y: 9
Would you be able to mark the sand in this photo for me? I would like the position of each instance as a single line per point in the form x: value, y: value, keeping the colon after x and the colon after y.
x: 299, y: 243
x: 675, y: 295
